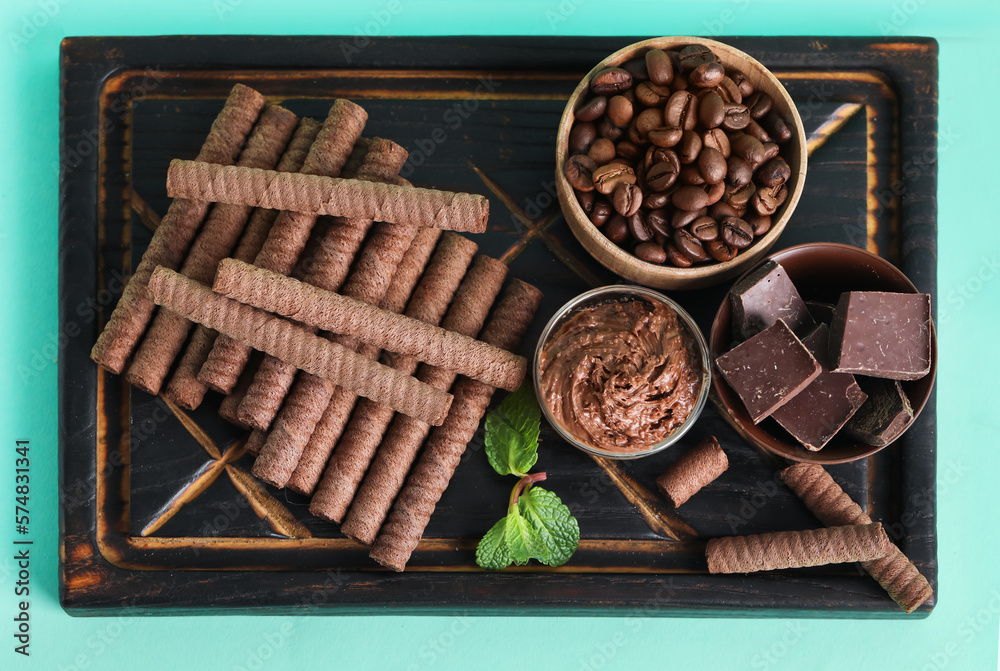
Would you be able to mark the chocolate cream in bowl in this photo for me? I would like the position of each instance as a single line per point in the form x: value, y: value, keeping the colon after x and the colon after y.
x: 621, y: 375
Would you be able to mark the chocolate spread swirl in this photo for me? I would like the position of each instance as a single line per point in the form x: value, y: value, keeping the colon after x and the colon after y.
x: 621, y: 375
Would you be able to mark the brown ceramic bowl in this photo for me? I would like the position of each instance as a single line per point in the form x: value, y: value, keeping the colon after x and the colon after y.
x: 624, y: 263
x: 821, y: 272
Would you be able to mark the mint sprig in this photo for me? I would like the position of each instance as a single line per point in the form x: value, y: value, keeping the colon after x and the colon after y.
x: 538, y: 525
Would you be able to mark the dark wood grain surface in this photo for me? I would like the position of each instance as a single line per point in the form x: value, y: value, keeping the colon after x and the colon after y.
x: 159, y: 513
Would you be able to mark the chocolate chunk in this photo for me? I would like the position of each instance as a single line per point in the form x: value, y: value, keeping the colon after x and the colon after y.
x: 815, y: 414
x: 768, y: 370
x: 882, y: 334
x: 885, y: 414
x: 765, y: 296
x: 821, y: 312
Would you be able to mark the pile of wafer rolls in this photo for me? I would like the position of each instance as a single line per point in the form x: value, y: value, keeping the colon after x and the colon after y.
x: 350, y: 326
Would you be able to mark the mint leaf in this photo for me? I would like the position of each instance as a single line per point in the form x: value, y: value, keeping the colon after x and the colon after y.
x: 552, y: 522
x: 522, y: 539
x: 492, y: 552
x: 512, y: 433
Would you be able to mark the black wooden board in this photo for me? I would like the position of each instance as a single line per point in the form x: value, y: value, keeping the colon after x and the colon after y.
x: 156, y: 517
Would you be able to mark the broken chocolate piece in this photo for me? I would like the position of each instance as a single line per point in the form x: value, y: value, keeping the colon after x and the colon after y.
x: 815, y: 415
x: 885, y: 414
x: 768, y: 370
x: 765, y: 296
x: 882, y: 334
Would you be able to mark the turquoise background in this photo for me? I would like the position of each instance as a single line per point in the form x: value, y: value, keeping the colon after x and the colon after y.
x: 960, y: 634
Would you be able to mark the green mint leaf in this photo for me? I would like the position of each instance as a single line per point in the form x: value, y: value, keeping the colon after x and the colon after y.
x: 512, y: 433
x: 522, y: 539
x: 553, y: 523
x: 492, y: 552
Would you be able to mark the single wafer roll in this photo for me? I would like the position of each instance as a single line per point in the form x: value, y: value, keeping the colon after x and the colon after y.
x: 282, y: 338
x: 464, y: 212
x: 174, y: 234
x: 255, y: 443
x: 443, y: 452
x: 695, y: 469
x: 290, y: 232
x: 833, y: 507
x: 797, y: 549
x: 227, y: 409
x: 399, y: 450
x: 218, y: 236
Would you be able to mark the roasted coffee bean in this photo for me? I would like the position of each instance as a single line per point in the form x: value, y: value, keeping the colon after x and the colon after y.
x: 586, y: 199
x: 716, y: 192
x: 759, y: 104
x: 601, y: 212
x: 736, y: 116
x: 736, y: 233
x: 675, y: 257
x: 628, y: 150
x: 638, y: 228
x: 581, y: 136
x: 682, y: 218
x: 761, y: 224
x: 608, y: 130
x: 656, y: 155
x: 693, y: 55
x: 767, y: 200
x: 680, y: 82
x: 637, y: 68
x: 647, y: 120
x: 716, y: 138
x: 658, y: 221
x: 754, y: 129
x: 690, y: 198
x: 660, y: 238
x: 602, y: 151
x: 742, y: 82
x: 659, y: 66
x: 660, y: 199
x: 650, y: 94
x: 720, y: 251
x: 620, y: 111
x: 667, y: 136
x: 689, y: 246
x: 618, y: 160
x: 721, y: 210
x: 707, y: 75
x: 690, y: 175
x: 681, y: 110
x: 705, y: 229
x: 770, y: 150
x: 663, y: 174
x: 729, y: 91
x: 633, y: 135
x: 627, y: 199
x: 616, y: 230
x: 592, y: 109
x: 738, y: 172
x: 609, y: 176
x: 773, y: 173
x: 610, y: 81
x: 749, y: 149
x: 712, y: 165
x: 579, y: 171
x: 650, y: 252
x: 711, y: 110
x: 776, y: 127
x: 690, y: 147
x: 739, y: 197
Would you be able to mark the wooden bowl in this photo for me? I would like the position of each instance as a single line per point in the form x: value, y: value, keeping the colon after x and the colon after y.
x: 626, y: 264
x: 821, y: 272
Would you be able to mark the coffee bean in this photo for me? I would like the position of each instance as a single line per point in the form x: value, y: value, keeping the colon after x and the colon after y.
x: 602, y: 151
x: 707, y: 75
x: 681, y: 110
x: 658, y: 221
x: 680, y: 81
x: 638, y: 228
x: 720, y: 251
x: 608, y: 130
x: 767, y: 200
x: 689, y: 246
x: 667, y: 136
x: 581, y: 136
x: 620, y: 110
x: 721, y: 210
x: 601, y: 212
x: 659, y: 238
x: 637, y: 68
x: 736, y: 116
x: 647, y: 120
x: 711, y: 110
x: 754, y: 129
x: 616, y: 230
x: 656, y: 155
x: 705, y: 229
x: 716, y: 138
x: 729, y: 91
x: 659, y: 66
x: 776, y: 127
x: 586, y: 199
x: 610, y: 81
x: 592, y: 109
x: 759, y: 104
x: 627, y: 199
x: 609, y: 176
x: 739, y: 197
x: 690, y: 147
x: 682, y: 218
x: 712, y: 165
x: 742, y: 82
x: 650, y: 94
x: 773, y: 173
x: 770, y: 150
x: 738, y: 172
x: 736, y: 233
x: 716, y: 192
x: 749, y: 149
x: 660, y: 199
x: 690, y: 198
x: 633, y: 135
x: 579, y: 171
x: 628, y: 150
x: 691, y: 176
x: 663, y: 174
x: 650, y: 252
x: 693, y: 55
x: 761, y: 224
x: 675, y: 257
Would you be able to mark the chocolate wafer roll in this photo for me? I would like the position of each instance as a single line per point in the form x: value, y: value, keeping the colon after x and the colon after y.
x: 327, y: 270
x: 285, y: 339
x: 797, y: 549
x: 833, y: 507
x: 463, y: 212
x: 290, y: 232
x: 174, y: 234
x: 230, y: 403
x: 695, y: 469
x: 443, y: 452
x: 402, y: 443
x: 256, y: 440
x: 218, y: 236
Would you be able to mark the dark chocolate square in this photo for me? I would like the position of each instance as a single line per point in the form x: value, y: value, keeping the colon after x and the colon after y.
x: 765, y: 296
x: 882, y: 334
